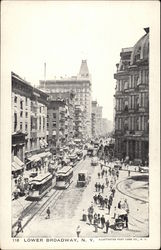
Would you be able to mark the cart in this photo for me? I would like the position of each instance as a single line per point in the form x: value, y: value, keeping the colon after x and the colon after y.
x: 120, y: 221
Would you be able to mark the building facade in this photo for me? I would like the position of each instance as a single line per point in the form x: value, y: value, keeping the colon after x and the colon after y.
x: 80, y: 85
x: 57, y: 123
x: 132, y: 102
x: 78, y: 122
x: 97, y: 110
x: 29, y: 118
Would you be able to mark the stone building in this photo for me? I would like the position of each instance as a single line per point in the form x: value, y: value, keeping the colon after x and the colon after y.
x: 69, y: 99
x: 93, y: 124
x: 57, y: 123
x: 132, y: 102
x: 29, y: 117
x: 80, y: 85
x: 78, y: 122
x: 97, y: 110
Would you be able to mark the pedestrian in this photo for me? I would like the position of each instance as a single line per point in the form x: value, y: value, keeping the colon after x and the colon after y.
x: 48, y: 213
x: 19, y: 226
x: 126, y: 220
x: 102, y: 173
x: 107, y: 223
x: 107, y: 182
x: 99, y: 187
x: 119, y: 205
x: 106, y: 172
x: 126, y: 206
x: 98, y: 219
x: 102, y: 203
x: 98, y: 175
x: 95, y: 199
x: 96, y: 186
x: 102, y: 221
x: 109, y: 208
x: 90, y: 218
x: 84, y: 216
x: 102, y: 187
x: 128, y: 172
x: 96, y: 225
x: 95, y: 216
x: 78, y: 231
x: 106, y: 201
x: 113, y: 192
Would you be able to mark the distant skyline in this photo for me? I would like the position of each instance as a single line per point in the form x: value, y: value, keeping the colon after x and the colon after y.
x: 62, y: 34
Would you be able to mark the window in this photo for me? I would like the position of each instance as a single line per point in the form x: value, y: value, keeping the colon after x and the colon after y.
x: 47, y: 125
x: 126, y: 124
x: 26, y: 114
x: 54, y: 115
x: 21, y: 104
x: 126, y: 105
x: 15, y: 99
x: 20, y: 125
x: 21, y: 114
x: 26, y: 126
x: 54, y: 124
x: 15, y: 122
x: 43, y: 123
x: 40, y: 109
x: 26, y: 101
x: 137, y: 103
x: 39, y: 123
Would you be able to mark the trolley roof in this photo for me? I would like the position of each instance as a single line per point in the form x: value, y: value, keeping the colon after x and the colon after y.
x: 41, y: 178
x: 64, y: 170
x: 83, y: 172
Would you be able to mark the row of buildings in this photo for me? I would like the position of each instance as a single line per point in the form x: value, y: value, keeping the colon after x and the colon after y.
x: 132, y: 102
x: 53, y: 114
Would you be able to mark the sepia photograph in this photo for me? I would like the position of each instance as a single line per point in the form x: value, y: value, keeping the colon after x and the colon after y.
x: 81, y: 93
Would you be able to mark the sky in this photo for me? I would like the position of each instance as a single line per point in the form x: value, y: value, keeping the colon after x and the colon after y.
x: 63, y: 33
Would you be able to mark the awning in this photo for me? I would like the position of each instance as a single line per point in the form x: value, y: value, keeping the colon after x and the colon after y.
x: 16, y: 167
x: 48, y: 154
x: 18, y: 161
x: 34, y: 158
x: 42, y: 155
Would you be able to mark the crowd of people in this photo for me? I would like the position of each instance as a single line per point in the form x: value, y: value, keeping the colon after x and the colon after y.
x: 99, y: 212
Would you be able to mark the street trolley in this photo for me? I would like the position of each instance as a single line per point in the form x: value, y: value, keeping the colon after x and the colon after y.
x: 64, y: 177
x: 39, y: 186
x: 82, y: 178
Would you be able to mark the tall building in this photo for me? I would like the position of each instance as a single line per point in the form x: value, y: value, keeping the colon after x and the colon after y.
x: 57, y: 123
x: 80, y: 85
x: 29, y: 116
x: 69, y: 99
x: 93, y: 124
x: 97, y: 110
x: 78, y: 122
x: 132, y: 102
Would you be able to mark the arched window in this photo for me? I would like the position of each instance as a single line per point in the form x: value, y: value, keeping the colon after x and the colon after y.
x: 126, y: 124
x: 126, y: 85
x: 126, y: 105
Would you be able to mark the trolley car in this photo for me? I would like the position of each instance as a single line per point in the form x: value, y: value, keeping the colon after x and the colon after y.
x: 39, y: 186
x: 64, y: 177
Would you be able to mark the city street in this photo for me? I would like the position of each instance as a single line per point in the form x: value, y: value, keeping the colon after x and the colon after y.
x: 67, y: 209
